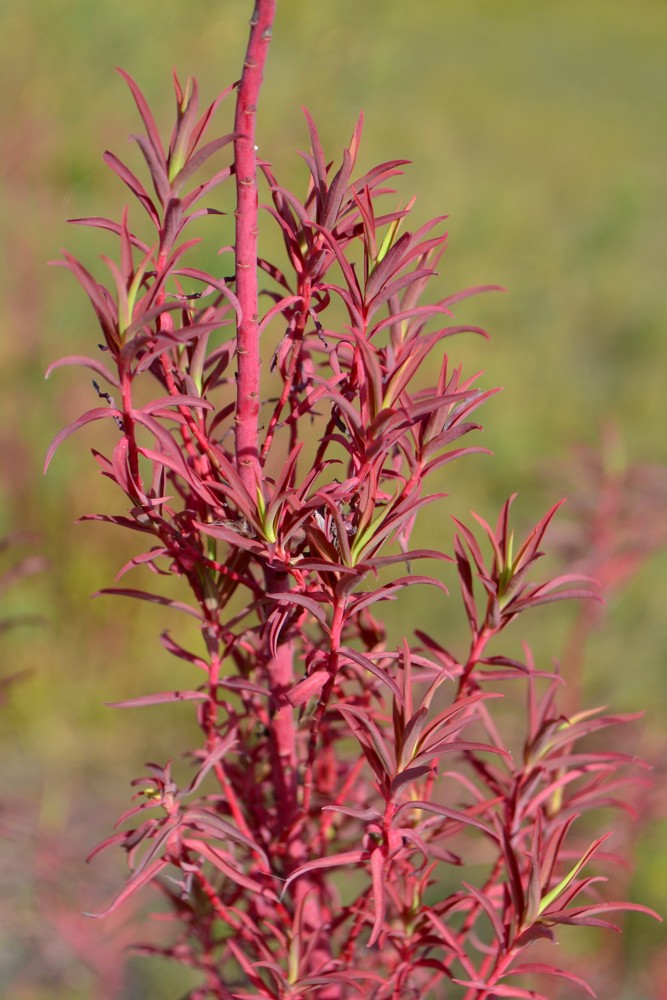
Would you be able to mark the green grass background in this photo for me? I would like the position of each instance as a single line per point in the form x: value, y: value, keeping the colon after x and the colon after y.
x: 539, y: 128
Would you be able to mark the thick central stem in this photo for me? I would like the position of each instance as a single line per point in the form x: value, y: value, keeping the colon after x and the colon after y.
x: 281, y: 663
x: 245, y: 161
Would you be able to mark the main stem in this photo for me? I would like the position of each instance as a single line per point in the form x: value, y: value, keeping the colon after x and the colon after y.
x: 281, y: 664
x: 245, y: 160
x: 280, y: 667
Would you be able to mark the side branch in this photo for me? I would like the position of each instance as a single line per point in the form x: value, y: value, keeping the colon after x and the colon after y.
x: 245, y: 159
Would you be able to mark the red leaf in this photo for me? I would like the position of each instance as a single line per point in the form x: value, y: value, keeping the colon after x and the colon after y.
x: 540, y: 968
x: 199, y: 158
x: 308, y: 688
x: 223, y: 864
x: 99, y: 413
x: 142, y: 595
x: 135, y: 186
x: 113, y: 227
x: 334, y: 861
x: 92, y: 363
x: 454, y: 814
x: 149, y: 874
x: 159, y: 699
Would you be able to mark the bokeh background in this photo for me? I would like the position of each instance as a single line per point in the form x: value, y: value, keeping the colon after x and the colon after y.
x: 539, y: 128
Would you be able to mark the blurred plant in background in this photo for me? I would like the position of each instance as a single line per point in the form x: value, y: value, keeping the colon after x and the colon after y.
x: 614, y: 522
x: 10, y: 576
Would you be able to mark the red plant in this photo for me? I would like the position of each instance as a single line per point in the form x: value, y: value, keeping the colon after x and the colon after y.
x: 617, y: 520
x: 26, y: 566
x: 339, y: 783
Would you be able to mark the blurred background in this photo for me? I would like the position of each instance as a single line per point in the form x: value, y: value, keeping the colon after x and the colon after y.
x: 539, y: 128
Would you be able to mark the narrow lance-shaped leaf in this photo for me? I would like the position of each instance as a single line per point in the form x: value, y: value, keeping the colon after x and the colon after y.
x: 345, y: 859
x: 162, y: 698
x: 135, y: 186
x: 90, y: 416
x: 558, y: 890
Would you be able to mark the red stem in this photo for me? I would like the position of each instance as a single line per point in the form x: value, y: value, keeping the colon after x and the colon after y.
x: 245, y: 161
x: 281, y: 667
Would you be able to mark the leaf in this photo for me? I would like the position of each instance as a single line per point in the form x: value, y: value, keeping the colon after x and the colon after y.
x: 156, y: 166
x: 282, y: 305
x: 389, y: 591
x: 318, y: 864
x: 466, y: 293
x: 540, y: 968
x: 211, y: 825
x: 542, y: 595
x: 559, y: 889
x: 410, y: 737
x: 449, y: 937
x: 198, y: 193
x: 113, y: 227
x: 183, y: 654
x: 307, y: 688
x: 348, y: 273
x: 210, y: 760
x: 301, y: 600
x: 231, y: 536
x: 367, y: 664
x: 177, y: 400
x: 454, y: 814
x: 199, y: 158
x: 392, y: 289
x: 371, y: 740
x: 365, y: 815
x: 99, y: 413
x: 134, y: 184
x: 380, y: 173
x: 584, y: 914
x: 96, y: 294
x: 146, y: 116
x: 320, y: 169
x: 224, y: 865
x: 336, y: 192
x: 159, y: 699
x: 408, y: 775
x: 491, y: 913
x: 218, y: 284
x: 92, y: 363
x: 201, y: 126
x: 142, y: 595
x: 392, y: 261
x: 135, y: 883
x: 495, y: 990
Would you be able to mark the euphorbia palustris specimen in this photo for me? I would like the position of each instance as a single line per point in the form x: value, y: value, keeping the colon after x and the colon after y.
x: 340, y: 783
